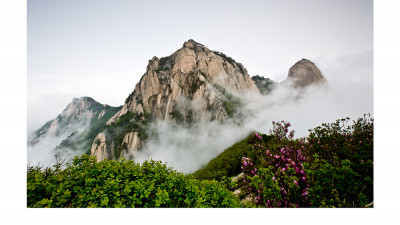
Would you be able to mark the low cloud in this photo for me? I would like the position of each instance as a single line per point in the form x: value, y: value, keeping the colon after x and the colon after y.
x: 349, y: 94
x: 44, y: 152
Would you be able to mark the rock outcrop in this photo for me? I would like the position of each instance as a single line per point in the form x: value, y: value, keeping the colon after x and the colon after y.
x: 192, y: 84
x: 99, y: 148
x: 305, y: 73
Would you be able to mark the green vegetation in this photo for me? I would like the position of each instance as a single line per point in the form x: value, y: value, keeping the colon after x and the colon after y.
x: 83, y: 140
x: 163, y: 61
x: 162, y: 79
x: 227, y: 164
x: 264, y: 85
x: 332, y: 167
x: 177, y: 115
x: 120, y: 184
x: 129, y: 97
x: 162, y: 68
x: 232, y: 104
x: 230, y: 60
x: 193, y: 88
x: 129, y: 122
x: 227, y: 58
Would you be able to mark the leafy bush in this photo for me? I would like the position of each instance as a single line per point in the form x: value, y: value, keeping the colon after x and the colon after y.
x: 264, y: 85
x: 88, y: 183
x: 333, y: 167
x: 228, y: 163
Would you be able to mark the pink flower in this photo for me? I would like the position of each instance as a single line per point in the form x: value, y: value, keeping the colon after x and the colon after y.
x: 295, y: 182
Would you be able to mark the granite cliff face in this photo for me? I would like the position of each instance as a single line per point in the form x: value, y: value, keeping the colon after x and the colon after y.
x: 305, y: 73
x: 192, y: 84
x: 188, y: 74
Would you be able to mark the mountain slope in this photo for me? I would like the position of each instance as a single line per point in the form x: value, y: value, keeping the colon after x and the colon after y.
x: 194, y: 84
x: 74, y: 129
x: 264, y: 85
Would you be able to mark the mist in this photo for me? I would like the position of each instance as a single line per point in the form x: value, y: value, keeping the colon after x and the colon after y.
x: 45, y: 153
x: 349, y: 93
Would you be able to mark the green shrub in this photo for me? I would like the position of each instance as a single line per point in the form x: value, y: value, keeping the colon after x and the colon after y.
x: 227, y: 164
x: 232, y: 104
x: 88, y: 183
x: 332, y: 167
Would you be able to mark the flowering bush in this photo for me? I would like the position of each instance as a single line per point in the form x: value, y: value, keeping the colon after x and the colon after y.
x: 332, y: 167
x: 282, y: 170
x: 280, y: 130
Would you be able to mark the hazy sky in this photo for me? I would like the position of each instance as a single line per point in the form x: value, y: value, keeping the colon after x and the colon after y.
x: 101, y: 48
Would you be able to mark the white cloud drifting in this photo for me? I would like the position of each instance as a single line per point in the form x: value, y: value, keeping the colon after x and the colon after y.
x: 350, y: 94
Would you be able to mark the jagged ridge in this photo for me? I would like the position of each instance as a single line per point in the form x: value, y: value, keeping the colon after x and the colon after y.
x: 192, y: 84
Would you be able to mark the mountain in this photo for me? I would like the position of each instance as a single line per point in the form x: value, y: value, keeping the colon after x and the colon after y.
x: 76, y: 127
x: 305, y: 73
x: 194, y: 84
x: 264, y: 85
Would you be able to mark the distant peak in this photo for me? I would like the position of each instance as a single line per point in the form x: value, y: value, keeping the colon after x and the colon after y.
x: 304, y: 73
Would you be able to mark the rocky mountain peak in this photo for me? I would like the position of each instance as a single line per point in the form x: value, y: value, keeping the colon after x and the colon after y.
x: 79, y: 113
x: 304, y: 73
x: 189, y: 73
x: 192, y: 84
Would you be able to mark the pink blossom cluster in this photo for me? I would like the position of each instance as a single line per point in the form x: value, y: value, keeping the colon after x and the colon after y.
x: 280, y: 130
x: 285, y: 159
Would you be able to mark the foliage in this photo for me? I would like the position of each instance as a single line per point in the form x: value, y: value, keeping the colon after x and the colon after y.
x: 280, y: 130
x: 177, y: 115
x: 333, y: 167
x: 162, y: 68
x: 129, y: 122
x: 193, y: 88
x: 83, y: 140
x: 163, y: 61
x: 227, y: 58
x: 232, y: 104
x: 264, y: 85
x: 228, y: 163
x: 120, y: 184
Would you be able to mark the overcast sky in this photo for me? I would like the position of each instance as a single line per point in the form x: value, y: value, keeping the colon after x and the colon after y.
x: 101, y: 48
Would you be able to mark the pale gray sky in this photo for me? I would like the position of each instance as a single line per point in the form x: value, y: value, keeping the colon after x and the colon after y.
x: 101, y: 48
